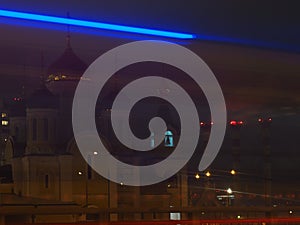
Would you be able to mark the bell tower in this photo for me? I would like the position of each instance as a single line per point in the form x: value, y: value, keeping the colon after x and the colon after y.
x: 41, y: 116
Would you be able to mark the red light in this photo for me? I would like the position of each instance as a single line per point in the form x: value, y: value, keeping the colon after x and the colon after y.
x: 17, y: 99
x: 211, y: 123
x: 278, y: 221
x: 265, y: 121
x: 240, y: 123
x: 233, y: 123
x: 202, y: 124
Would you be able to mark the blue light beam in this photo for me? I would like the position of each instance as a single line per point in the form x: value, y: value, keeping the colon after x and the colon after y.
x: 92, y: 24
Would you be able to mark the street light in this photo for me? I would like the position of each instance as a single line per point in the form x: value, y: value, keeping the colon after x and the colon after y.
x: 197, y: 176
x: 233, y: 172
x: 229, y: 191
x: 208, y: 174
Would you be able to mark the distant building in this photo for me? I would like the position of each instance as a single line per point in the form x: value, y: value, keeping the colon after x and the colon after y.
x: 44, y: 177
x: 42, y: 165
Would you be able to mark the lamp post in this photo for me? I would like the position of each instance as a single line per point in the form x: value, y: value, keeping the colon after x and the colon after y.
x: 229, y: 192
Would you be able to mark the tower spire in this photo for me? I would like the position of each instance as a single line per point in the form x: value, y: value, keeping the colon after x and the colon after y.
x: 23, y: 91
x: 68, y: 33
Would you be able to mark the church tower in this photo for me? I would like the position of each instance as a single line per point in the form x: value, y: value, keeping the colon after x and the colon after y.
x: 38, y: 165
x: 63, y: 76
x: 41, y: 120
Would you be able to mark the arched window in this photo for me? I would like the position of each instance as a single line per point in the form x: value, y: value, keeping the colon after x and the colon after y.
x: 34, y: 129
x: 46, y: 127
x: 169, y: 141
x: 8, y: 152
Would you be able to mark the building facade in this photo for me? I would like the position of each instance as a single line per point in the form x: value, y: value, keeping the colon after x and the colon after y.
x: 44, y: 177
x: 42, y: 164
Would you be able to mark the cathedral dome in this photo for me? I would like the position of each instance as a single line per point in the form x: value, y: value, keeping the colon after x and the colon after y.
x: 68, y: 68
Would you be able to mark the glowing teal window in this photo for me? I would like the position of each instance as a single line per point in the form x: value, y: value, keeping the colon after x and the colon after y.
x: 169, y: 140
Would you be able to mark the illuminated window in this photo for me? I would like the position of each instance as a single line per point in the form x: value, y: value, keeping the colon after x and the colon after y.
x: 169, y: 142
x: 4, y: 122
x: 152, y: 141
x: 175, y: 216
x: 3, y: 115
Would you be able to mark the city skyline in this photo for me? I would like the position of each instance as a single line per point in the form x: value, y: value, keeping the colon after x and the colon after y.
x: 255, y: 63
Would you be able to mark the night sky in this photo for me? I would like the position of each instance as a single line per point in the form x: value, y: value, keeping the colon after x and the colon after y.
x: 271, y: 25
x: 272, y: 22
x: 269, y: 31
